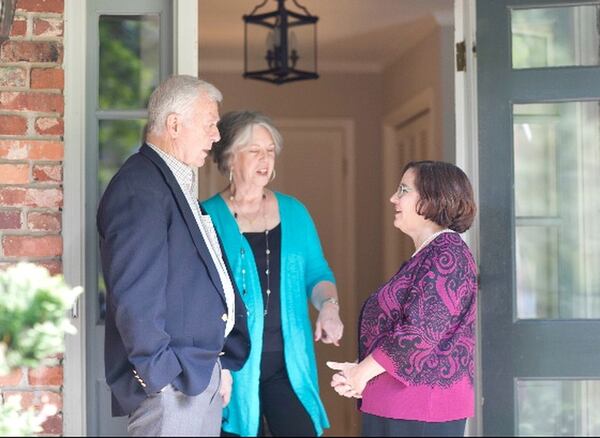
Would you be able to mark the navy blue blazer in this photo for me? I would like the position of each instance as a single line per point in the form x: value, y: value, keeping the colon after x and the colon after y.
x: 166, y: 311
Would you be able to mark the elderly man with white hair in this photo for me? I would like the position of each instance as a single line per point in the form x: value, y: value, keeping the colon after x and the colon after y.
x: 174, y: 318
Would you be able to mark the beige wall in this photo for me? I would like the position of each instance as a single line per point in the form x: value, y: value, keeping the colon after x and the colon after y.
x: 355, y: 96
x: 429, y: 64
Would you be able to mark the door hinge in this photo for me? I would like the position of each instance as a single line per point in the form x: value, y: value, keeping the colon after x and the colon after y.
x: 461, y: 56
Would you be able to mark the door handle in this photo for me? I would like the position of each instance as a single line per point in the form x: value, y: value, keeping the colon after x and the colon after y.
x: 75, y: 309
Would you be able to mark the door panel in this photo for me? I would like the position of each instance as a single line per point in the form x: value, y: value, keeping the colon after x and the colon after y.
x: 312, y: 167
x: 412, y: 142
x: 538, y: 150
x: 129, y: 53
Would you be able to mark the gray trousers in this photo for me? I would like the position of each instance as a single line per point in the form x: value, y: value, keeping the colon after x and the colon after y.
x: 172, y: 413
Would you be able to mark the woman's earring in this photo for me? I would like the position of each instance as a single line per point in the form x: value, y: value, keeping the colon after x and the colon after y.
x: 231, y: 185
x: 273, y: 175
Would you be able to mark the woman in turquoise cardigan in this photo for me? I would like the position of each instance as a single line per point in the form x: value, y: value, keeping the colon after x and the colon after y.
x: 277, y: 262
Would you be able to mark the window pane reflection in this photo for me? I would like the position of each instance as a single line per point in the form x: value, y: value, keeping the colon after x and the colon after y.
x: 118, y: 139
x: 551, y: 37
x: 129, y: 60
x: 557, y: 210
x: 558, y: 407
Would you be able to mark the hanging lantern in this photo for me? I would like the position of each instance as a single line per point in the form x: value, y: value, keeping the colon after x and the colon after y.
x: 280, y: 46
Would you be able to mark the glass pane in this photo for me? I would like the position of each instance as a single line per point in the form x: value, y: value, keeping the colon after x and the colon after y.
x: 558, y: 407
x: 118, y: 139
x: 556, y: 182
x: 551, y: 37
x: 537, y: 283
x: 129, y: 60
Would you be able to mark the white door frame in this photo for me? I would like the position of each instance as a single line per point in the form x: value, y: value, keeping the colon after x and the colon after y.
x: 467, y: 144
x: 73, y: 219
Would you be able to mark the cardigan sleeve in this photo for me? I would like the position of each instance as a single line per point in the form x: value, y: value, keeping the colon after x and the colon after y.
x: 431, y: 339
x: 316, y: 267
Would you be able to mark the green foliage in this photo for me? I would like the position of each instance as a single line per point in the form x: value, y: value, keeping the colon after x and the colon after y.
x: 33, y: 319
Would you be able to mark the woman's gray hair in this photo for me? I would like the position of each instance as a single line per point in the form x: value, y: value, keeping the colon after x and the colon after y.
x: 177, y: 95
x: 236, y: 131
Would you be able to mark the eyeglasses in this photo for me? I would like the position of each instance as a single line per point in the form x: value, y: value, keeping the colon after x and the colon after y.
x: 402, y: 189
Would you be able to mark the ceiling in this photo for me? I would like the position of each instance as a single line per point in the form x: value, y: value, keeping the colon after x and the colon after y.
x: 353, y: 35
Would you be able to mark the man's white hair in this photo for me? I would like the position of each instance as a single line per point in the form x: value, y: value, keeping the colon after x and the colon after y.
x: 177, y: 95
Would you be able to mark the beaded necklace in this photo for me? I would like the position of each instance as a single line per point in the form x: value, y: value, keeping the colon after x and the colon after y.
x: 431, y: 238
x: 243, y: 252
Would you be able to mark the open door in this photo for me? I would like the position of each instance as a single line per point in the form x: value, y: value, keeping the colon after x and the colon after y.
x: 539, y: 178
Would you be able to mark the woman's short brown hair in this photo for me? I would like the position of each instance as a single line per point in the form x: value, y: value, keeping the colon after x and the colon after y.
x: 445, y: 192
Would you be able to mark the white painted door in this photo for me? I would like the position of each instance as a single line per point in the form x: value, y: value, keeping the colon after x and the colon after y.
x: 410, y: 139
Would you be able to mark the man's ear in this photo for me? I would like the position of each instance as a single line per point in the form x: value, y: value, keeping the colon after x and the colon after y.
x: 173, y: 125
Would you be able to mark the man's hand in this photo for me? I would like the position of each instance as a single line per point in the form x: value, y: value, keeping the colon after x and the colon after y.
x: 226, y: 386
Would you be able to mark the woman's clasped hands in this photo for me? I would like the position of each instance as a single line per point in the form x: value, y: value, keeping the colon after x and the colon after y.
x: 347, y: 382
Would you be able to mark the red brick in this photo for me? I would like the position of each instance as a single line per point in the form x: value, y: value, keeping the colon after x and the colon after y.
x: 14, y: 173
x: 32, y: 246
x: 45, y: 173
x: 49, y: 126
x: 46, y: 376
x: 44, y: 198
x: 53, y: 266
x: 53, y: 425
x: 37, y: 221
x: 47, y: 78
x: 13, y: 378
x: 50, y: 398
x: 13, y: 77
x: 46, y: 150
x: 13, y: 196
x: 27, y: 397
x: 24, y: 101
x: 13, y: 150
x: 12, y: 125
x: 48, y: 27
x: 19, y: 27
x: 21, y: 197
x: 41, y: 5
x: 10, y: 220
x: 31, y: 51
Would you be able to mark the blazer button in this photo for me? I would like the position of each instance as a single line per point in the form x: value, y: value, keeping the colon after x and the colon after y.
x: 143, y: 384
x: 224, y: 317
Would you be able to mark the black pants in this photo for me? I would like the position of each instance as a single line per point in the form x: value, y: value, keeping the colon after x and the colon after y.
x: 281, y: 413
x: 373, y: 425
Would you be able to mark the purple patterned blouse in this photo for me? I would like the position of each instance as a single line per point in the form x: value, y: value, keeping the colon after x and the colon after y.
x: 420, y: 326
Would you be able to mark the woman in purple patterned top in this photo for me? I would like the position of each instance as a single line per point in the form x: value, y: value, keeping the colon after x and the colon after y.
x: 417, y: 332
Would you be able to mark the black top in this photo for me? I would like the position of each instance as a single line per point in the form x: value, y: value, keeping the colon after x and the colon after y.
x: 272, y: 337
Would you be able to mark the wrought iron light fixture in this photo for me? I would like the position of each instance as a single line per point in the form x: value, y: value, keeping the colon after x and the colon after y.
x: 280, y: 46
x: 7, y: 13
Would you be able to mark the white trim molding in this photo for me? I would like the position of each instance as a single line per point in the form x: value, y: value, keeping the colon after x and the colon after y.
x: 73, y: 217
x: 467, y: 158
x: 185, y: 37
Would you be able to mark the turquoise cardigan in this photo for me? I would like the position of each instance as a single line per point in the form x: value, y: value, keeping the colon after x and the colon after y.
x: 302, y: 267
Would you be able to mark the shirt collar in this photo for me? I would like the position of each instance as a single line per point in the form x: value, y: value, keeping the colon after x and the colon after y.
x: 183, y: 173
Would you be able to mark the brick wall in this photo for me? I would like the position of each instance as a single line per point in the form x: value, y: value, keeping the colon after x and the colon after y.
x: 31, y: 153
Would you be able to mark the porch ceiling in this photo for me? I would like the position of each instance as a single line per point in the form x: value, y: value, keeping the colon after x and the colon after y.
x: 353, y: 35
